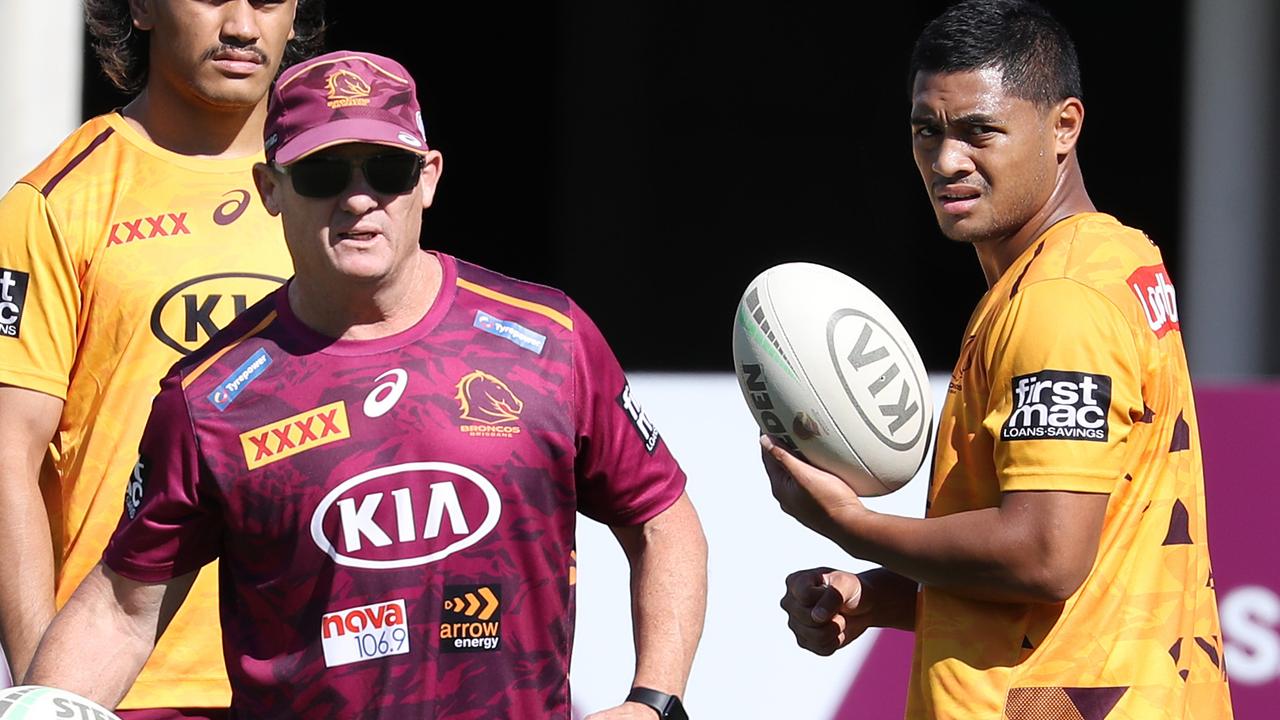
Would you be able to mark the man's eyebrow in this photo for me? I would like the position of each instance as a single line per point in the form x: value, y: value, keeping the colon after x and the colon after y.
x: 974, y: 118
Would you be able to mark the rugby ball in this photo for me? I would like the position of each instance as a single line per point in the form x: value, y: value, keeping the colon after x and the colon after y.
x: 37, y: 702
x: 830, y: 374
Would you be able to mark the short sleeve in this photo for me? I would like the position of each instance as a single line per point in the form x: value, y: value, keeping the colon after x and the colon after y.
x: 625, y: 473
x: 170, y: 526
x: 39, y: 295
x: 1065, y: 379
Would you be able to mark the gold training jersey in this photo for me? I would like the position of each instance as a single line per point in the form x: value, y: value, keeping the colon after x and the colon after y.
x: 1072, y: 377
x: 117, y: 258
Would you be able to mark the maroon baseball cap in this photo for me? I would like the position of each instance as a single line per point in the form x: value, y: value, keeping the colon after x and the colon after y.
x: 342, y: 97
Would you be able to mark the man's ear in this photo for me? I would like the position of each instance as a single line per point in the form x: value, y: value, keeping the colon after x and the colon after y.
x: 432, y: 168
x: 1068, y: 120
x: 142, y: 13
x: 270, y: 184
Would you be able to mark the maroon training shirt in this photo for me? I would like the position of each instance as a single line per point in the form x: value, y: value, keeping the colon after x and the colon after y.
x: 395, y: 517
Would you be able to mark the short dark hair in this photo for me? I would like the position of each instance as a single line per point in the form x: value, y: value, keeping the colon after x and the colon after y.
x: 124, y: 55
x: 1035, y: 55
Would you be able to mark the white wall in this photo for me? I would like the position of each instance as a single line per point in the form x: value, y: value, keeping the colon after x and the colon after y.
x: 753, y: 547
x: 41, y: 51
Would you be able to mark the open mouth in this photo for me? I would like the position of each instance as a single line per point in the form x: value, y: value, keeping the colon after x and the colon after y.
x: 956, y: 200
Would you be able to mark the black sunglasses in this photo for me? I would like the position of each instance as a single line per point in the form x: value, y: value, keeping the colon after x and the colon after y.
x: 393, y: 173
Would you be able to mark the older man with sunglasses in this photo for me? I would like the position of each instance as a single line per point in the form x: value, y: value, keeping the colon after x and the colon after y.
x: 387, y: 455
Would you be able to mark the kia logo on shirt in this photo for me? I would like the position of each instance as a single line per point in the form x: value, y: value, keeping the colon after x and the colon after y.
x: 405, y: 515
x: 191, y: 312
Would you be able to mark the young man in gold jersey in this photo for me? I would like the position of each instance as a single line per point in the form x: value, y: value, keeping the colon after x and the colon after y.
x: 125, y: 249
x: 1061, y: 569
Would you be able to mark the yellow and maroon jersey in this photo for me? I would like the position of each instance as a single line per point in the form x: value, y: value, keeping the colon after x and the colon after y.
x: 117, y: 258
x: 1072, y: 377
x: 395, y: 517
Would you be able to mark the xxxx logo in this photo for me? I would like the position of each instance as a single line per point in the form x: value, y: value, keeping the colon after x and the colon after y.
x: 481, y: 604
x: 163, y: 225
x: 292, y: 435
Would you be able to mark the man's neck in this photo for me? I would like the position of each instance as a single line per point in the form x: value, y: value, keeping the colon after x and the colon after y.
x: 178, y: 124
x: 1068, y: 198
x: 345, y: 310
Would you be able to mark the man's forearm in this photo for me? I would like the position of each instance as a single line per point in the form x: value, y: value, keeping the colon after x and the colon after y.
x: 668, y: 595
x: 1004, y: 554
x: 26, y: 606
x: 98, y: 642
x: 28, y: 419
x: 892, y: 598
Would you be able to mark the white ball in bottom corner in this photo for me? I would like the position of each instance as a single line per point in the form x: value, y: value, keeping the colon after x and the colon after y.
x: 37, y: 702
x: 830, y: 373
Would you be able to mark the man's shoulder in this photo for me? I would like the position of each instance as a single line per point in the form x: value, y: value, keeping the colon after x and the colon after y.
x: 243, y: 342
x: 1095, y: 250
x: 537, y: 303
x: 79, y: 156
x: 1096, y: 255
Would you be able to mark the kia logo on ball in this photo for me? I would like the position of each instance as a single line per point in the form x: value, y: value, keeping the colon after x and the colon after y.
x: 871, y: 365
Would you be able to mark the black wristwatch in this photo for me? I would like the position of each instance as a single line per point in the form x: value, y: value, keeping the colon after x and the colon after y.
x: 667, y: 706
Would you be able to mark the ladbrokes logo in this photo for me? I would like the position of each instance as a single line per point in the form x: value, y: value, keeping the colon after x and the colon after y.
x: 483, y: 398
x: 190, y: 313
x: 472, y: 619
x: 1156, y: 296
x: 346, y: 89
x: 292, y: 435
x: 1059, y: 405
x: 162, y: 225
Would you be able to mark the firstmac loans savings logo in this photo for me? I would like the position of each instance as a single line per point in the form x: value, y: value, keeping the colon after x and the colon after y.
x: 1059, y: 405
x: 13, y: 297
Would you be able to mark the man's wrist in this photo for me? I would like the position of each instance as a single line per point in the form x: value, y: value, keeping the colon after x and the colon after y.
x: 666, y: 706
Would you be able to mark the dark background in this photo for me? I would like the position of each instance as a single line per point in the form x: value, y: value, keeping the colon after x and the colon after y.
x: 650, y: 158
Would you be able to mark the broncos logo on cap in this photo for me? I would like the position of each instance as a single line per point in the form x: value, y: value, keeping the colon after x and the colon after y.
x: 347, y: 88
x: 485, y: 399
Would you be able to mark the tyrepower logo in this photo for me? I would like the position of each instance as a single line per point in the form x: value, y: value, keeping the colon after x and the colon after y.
x: 405, y: 515
x: 146, y: 228
x: 292, y: 435
x: 13, y: 297
x: 1059, y: 405
x: 231, y: 386
x: 364, y: 633
x: 1157, y: 298
x: 472, y: 619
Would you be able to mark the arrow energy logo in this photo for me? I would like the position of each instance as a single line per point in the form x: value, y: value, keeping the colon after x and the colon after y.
x: 472, y: 619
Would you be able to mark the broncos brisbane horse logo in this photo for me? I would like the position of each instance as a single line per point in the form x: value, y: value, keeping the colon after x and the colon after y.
x: 486, y: 399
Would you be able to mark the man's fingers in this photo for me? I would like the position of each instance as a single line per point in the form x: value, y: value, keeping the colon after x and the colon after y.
x: 788, y: 461
x: 844, y: 593
x: 807, y: 580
